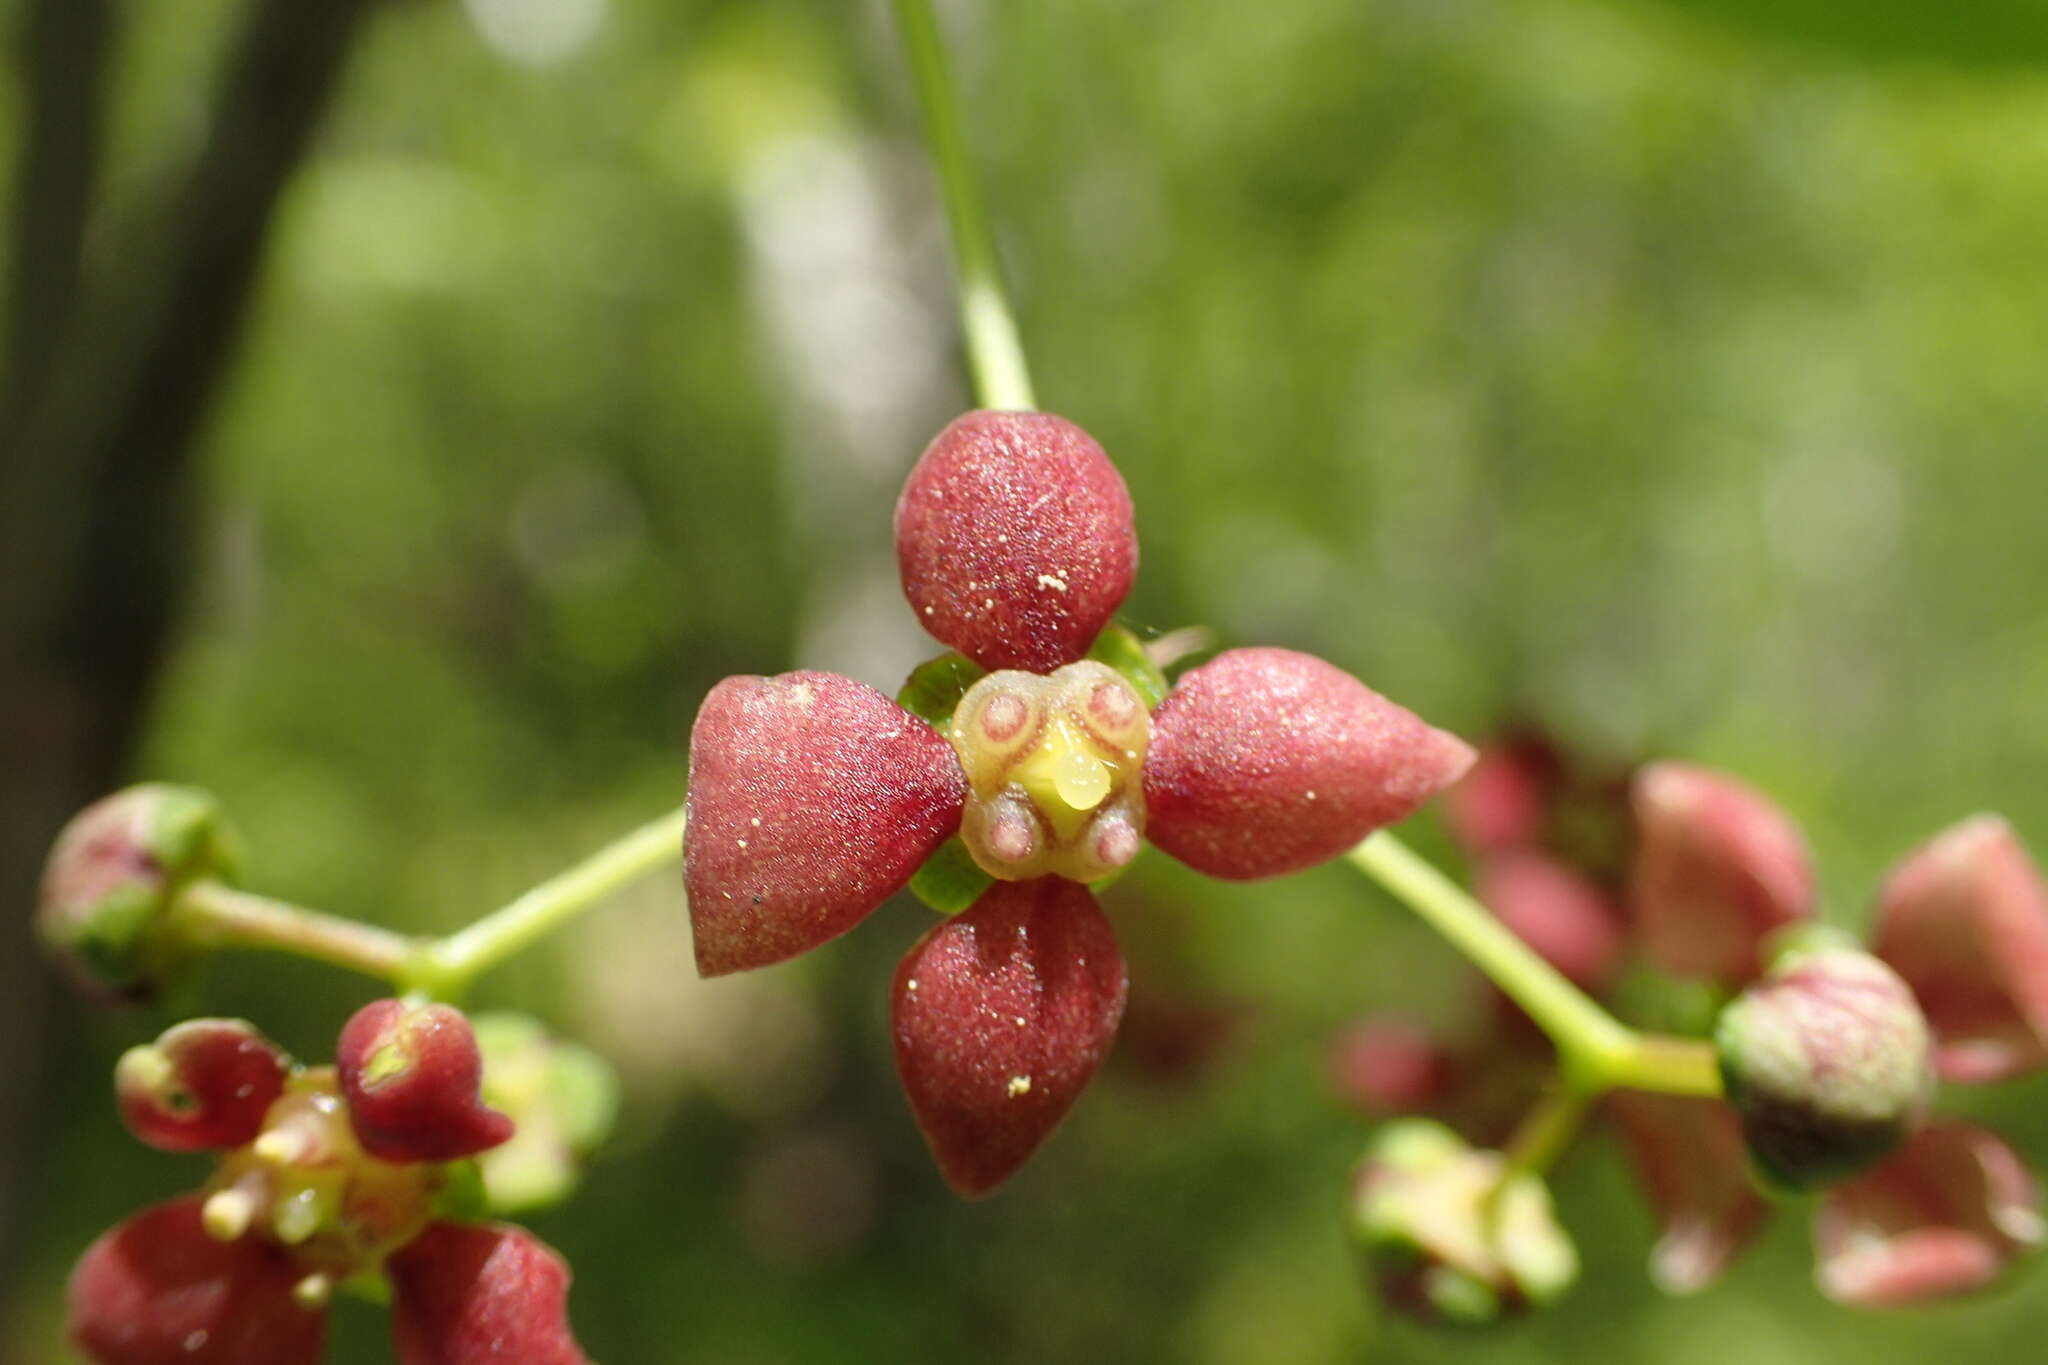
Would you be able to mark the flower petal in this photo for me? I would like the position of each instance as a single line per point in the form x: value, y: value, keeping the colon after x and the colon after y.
x: 1555, y: 910
x: 413, y: 1075
x: 1944, y: 1216
x: 1694, y: 1169
x: 1964, y: 919
x: 466, y: 1294
x: 204, y: 1083
x: 158, y: 1291
x: 1015, y: 540
x: 1718, y: 868
x: 1001, y: 1015
x: 812, y: 799
x: 1264, y: 761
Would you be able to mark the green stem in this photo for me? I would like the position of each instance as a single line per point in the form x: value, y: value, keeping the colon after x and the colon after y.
x: 1597, y: 1051
x: 995, y: 356
x: 446, y: 967
x: 1586, y: 1035
x: 210, y: 915
x: 1546, y: 1131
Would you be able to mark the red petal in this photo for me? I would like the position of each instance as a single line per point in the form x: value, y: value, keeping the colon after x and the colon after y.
x: 1718, y: 868
x: 1001, y: 1015
x: 1694, y: 1169
x: 412, y: 1075
x: 1264, y: 761
x: 1015, y: 540
x: 1944, y: 1216
x: 478, y: 1295
x: 158, y: 1291
x: 812, y: 799
x: 1964, y: 919
x: 204, y: 1083
x: 1561, y: 914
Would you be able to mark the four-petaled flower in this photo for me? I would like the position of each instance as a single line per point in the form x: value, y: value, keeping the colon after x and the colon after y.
x: 327, y: 1175
x: 812, y: 797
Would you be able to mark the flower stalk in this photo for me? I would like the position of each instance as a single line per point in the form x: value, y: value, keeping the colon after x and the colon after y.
x: 995, y: 355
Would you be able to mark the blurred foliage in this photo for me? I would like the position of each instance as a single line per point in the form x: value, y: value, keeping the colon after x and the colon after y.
x: 1669, y: 371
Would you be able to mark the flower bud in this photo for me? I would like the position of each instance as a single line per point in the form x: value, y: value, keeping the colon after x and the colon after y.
x: 1826, y: 1059
x: 412, y: 1076
x: 206, y: 1083
x: 115, y: 870
x: 1446, y: 1240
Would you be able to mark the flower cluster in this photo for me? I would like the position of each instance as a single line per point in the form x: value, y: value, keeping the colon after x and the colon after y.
x: 1051, y: 754
x: 328, y: 1177
x: 1829, y: 1052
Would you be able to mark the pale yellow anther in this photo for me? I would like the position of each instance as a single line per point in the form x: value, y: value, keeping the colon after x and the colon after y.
x: 227, y: 1214
x: 297, y: 1217
x: 313, y: 1292
x: 281, y: 1146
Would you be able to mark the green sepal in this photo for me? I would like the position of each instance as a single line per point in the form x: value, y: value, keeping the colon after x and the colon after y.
x: 934, y: 687
x: 463, y: 1197
x: 950, y: 881
x: 1122, y: 650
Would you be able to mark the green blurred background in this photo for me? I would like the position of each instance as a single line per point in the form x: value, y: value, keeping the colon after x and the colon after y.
x: 1675, y: 373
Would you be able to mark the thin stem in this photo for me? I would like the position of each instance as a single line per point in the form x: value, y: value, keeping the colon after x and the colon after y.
x: 211, y: 915
x: 1588, y: 1038
x: 449, y: 965
x: 1546, y: 1131
x: 995, y: 356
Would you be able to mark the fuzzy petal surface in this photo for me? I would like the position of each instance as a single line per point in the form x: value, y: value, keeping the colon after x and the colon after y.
x: 1718, y: 868
x: 1265, y: 761
x: 1001, y: 1015
x: 413, y: 1076
x: 1944, y: 1216
x: 1692, y: 1164
x: 481, y: 1294
x: 812, y: 799
x: 1015, y: 539
x: 1964, y: 919
x: 158, y: 1291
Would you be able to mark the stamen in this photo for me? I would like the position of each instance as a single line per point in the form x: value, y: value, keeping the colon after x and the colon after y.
x: 226, y: 1215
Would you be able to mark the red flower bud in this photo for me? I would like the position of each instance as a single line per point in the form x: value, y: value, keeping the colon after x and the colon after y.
x: 1015, y: 539
x: 1385, y: 1065
x: 114, y: 871
x: 812, y: 799
x: 157, y: 1290
x: 1001, y: 1016
x: 1944, y: 1216
x: 204, y: 1083
x: 1264, y: 761
x: 1694, y: 1169
x: 1964, y: 919
x: 1718, y: 868
x: 411, y: 1075
x: 1826, y: 1060
x: 471, y: 1295
x: 1501, y: 803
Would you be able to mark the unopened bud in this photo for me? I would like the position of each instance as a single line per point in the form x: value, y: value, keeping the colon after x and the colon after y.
x: 1827, y: 1061
x: 113, y: 874
x: 1449, y: 1236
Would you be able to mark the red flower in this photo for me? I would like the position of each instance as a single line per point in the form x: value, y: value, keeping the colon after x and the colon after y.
x: 326, y: 1174
x: 813, y: 798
